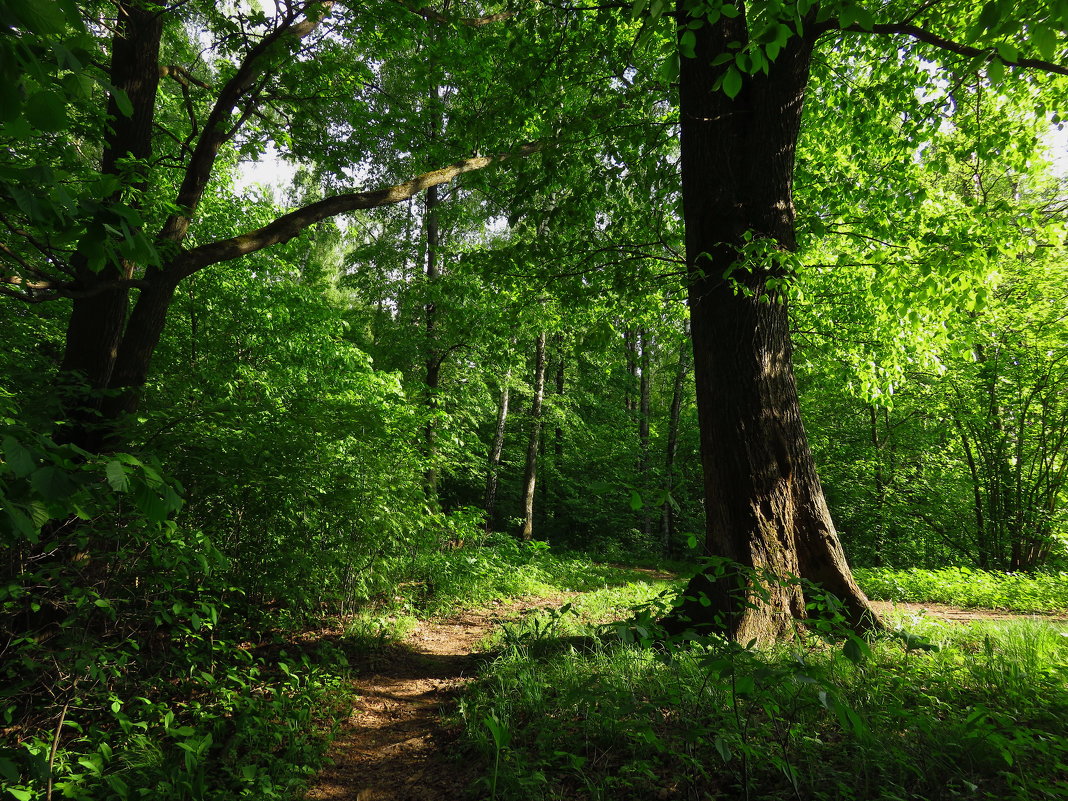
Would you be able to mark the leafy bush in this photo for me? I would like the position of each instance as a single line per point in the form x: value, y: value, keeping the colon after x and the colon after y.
x: 126, y: 672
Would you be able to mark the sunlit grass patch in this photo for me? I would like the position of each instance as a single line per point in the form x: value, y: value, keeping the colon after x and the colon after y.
x: 503, y: 567
x: 942, y: 711
x: 961, y: 586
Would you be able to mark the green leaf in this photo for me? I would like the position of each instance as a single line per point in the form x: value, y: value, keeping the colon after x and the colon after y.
x: 21, y: 523
x: 116, y: 475
x: 732, y: 82
x: 122, y: 100
x: 864, y: 18
x: 37, y: 16
x: 150, y: 504
x: 10, y: 101
x: 18, y: 457
x: 8, y: 770
x: 52, y: 483
x: 855, y: 650
x: 995, y: 71
x: 669, y: 69
x: 1008, y: 52
x: 1045, y: 40
x: 47, y: 111
x: 687, y: 42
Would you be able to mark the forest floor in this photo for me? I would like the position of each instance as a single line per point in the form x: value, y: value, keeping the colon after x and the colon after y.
x: 395, y: 744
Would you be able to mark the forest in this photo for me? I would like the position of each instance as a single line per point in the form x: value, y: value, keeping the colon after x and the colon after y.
x: 533, y: 399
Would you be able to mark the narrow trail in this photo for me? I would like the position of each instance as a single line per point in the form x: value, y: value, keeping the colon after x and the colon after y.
x: 959, y: 614
x: 394, y: 745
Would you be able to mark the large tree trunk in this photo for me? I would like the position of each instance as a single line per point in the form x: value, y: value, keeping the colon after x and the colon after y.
x: 530, y: 474
x: 95, y: 326
x: 764, y: 503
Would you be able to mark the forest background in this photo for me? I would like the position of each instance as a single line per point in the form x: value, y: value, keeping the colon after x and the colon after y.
x: 464, y: 323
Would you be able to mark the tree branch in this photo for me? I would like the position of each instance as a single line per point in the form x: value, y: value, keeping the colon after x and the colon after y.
x: 28, y: 290
x: 181, y: 75
x: 925, y: 36
x: 292, y: 224
x: 433, y: 15
x: 217, y: 128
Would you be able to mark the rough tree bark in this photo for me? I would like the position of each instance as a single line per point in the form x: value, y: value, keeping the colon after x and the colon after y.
x: 764, y: 504
x: 98, y: 311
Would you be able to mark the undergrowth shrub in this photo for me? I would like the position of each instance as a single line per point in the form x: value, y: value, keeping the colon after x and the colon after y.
x: 127, y: 672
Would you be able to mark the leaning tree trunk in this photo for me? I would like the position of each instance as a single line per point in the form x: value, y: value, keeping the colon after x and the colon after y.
x: 764, y: 504
x: 530, y: 474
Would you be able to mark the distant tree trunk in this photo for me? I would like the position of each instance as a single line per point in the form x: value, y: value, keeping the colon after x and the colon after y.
x: 877, y: 443
x: 433, y: 357
x: 530, y: 473
x: 764, y: 504
x: 630, y: 348
x: 558, y: 433
x: 643, y: 430
x: 496, y: 447
x: 667, y: 518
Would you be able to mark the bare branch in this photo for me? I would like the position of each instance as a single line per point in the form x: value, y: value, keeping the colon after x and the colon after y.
x: 47, y: 252
x: 21, y: 262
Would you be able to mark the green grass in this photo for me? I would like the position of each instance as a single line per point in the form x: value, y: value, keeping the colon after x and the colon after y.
x: 569, y: 710
x: 441, y: 582
x: 960, y: 586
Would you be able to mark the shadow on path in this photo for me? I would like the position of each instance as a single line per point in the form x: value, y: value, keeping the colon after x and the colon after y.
x: 394, y: 745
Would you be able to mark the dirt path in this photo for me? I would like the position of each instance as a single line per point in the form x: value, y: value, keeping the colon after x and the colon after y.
x: 394, y: 746
x: 958, y: 614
